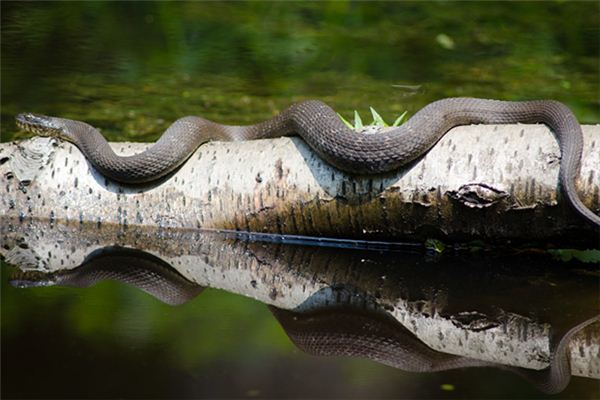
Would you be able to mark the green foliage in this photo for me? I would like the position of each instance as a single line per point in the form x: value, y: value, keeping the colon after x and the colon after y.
x: 435, y: 246
x: 348, y: 124
x: 357, y: 121
x: 378, y: 120
x: 131, y: 68
x: 400, y: 119
x: 586, y: 256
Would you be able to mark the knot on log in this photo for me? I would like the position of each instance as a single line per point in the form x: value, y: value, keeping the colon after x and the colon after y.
x: 473, y: 321
x: 477, y: 195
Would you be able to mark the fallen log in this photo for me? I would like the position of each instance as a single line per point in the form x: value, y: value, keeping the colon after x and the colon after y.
x: 491, y: 182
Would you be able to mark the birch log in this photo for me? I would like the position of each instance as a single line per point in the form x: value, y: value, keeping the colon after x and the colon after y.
x: 492, y: 182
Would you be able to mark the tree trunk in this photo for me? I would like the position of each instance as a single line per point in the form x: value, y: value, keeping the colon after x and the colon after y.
x: 491, y: 182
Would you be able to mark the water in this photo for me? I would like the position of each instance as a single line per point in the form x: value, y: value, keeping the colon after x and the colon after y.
x: 197, y: 332
x: 132, y: 68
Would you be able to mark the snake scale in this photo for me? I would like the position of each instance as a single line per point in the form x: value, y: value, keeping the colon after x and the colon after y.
x: 319, y: 125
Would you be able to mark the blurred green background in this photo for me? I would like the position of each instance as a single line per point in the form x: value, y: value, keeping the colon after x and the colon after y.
x: 131, y: 68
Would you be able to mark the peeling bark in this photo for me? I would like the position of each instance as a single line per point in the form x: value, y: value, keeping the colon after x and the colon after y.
x: 497, y: 183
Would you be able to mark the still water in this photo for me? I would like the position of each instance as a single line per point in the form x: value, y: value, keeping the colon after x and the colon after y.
x: 204, y: 313
x: 132, y: 68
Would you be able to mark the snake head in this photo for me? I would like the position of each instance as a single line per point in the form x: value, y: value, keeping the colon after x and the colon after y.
x: 39, y: 124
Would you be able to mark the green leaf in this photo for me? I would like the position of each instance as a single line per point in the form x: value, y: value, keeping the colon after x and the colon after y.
x: 435, y: 246
x: 400, y: 119
x: 377, y: 120
x: 348, y: 124
x: 586, y: 256
x: 357, y: 121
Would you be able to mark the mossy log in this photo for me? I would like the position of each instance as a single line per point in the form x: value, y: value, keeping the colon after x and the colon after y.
x: 492, y: 182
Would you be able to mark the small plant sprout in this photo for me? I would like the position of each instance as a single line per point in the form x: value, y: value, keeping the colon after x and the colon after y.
x: 378, y: 121
x: 400, y: 119
x: 435, y: 246
x: 348, y: 124
x: 358, y: 125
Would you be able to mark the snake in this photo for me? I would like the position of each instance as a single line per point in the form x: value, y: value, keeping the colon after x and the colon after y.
x: 327, y: 135
x: 128, y: 266
x: 336, y: 330
x: 324, y: 329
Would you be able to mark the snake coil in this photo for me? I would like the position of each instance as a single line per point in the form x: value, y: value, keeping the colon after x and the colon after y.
x: 319, y: 125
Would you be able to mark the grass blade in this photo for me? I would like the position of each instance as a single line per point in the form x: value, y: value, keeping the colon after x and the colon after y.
x: 348, y: 124
x: 357, y: 121
x: 377, y: 120
x: 400, y: 119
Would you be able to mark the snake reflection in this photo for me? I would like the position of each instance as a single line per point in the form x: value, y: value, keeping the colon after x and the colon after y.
x: 325, y: 328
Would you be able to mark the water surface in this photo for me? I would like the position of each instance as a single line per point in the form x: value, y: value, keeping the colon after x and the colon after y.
x: 130, y: 68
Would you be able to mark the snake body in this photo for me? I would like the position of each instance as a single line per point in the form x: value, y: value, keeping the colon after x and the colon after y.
x: 351, y: 332
x: 136, y: 268
x: 319, y: 125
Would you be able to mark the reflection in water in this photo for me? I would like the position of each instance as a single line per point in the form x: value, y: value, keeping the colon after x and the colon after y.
x: 343, y: 317
x: 351, y: 332
x: 132, y: 267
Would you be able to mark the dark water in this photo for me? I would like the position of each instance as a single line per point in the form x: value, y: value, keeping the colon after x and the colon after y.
x: 114, y: 340
x: 131, y: 68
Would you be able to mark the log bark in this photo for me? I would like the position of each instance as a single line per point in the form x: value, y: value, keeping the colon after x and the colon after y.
x: 497, y: 183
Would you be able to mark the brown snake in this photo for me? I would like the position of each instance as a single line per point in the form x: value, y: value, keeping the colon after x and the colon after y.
x: 321, y: 128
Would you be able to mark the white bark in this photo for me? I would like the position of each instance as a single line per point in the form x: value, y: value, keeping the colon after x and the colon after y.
x: 484, y: 182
